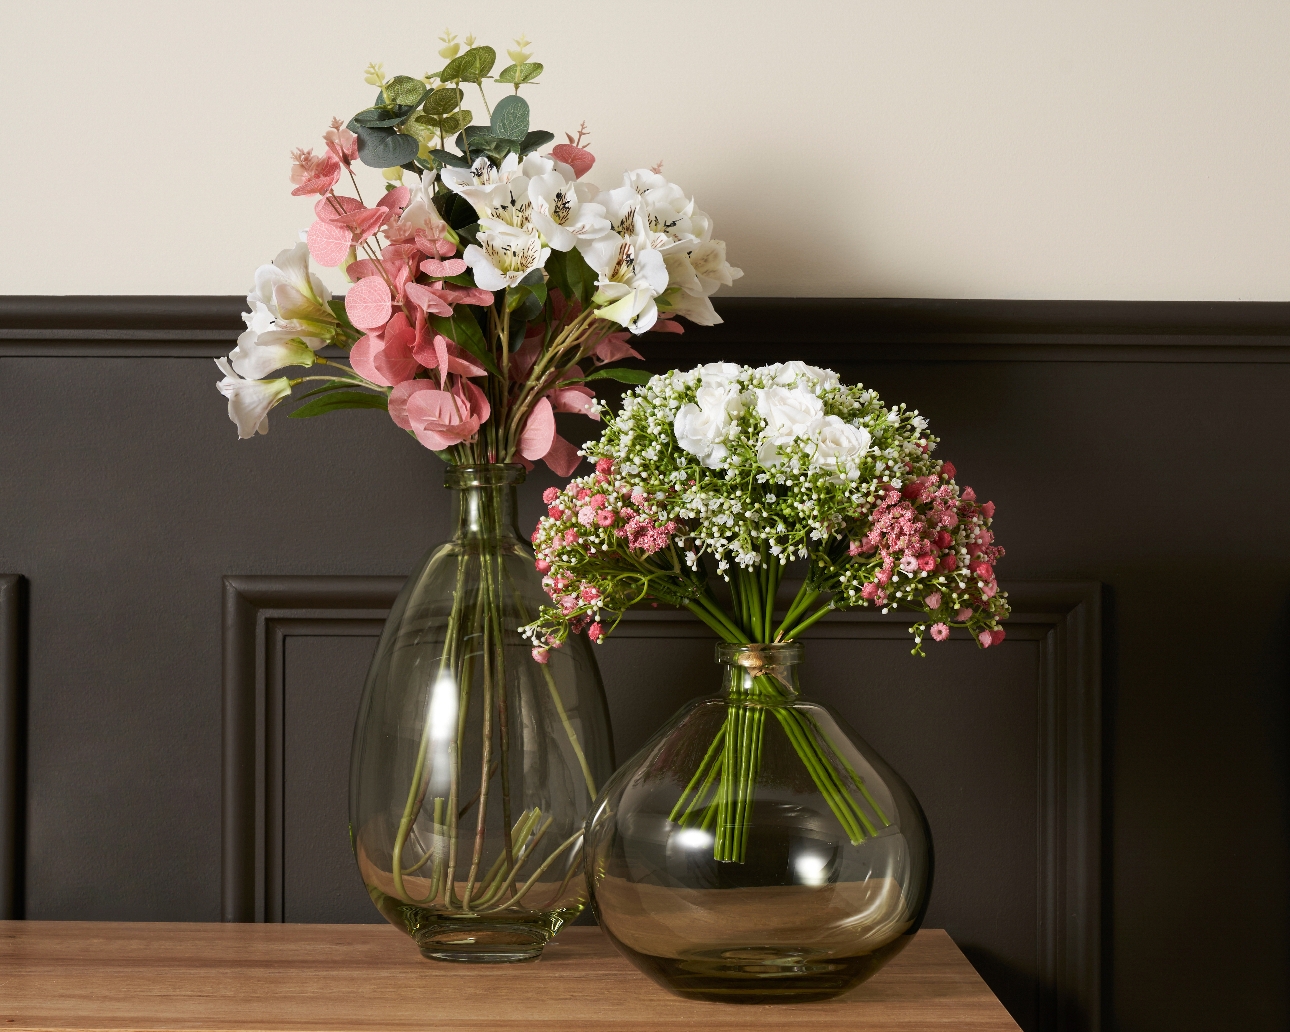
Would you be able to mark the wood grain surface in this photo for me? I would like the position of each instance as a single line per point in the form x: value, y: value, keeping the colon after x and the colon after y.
x: 227, y: 977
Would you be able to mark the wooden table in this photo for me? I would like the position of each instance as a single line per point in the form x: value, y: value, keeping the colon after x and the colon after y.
x: 226, y: 977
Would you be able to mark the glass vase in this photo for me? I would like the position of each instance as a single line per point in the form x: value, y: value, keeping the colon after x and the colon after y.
x: 474, y: 766
x: 757, y: 850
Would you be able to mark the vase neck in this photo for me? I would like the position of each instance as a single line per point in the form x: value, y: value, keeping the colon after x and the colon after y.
x: 484, y: 498
x: 765, y: 672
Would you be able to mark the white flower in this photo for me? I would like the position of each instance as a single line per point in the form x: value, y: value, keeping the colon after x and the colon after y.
x: 259, y: 353
x: 482, y: 173
x: 700, y: 426
x: 420, y: 212
x: 563, y: 212
x: 671, y: 219
x: 630, y: 279
x: 710, y: 265
x: 789, y: 411
x: 789, y: 373
x: 688, y: 298
x: 718, y: 374
x: 838, y: 444
x: 504, y: 254
x: 249, y: 401
x: 288, y: 302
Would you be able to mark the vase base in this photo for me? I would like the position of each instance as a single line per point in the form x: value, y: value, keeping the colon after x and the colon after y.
x: 762, y: 974
x: 485, y: 955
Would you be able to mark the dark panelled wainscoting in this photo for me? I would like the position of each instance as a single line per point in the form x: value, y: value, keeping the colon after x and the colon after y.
x: 186, y: 620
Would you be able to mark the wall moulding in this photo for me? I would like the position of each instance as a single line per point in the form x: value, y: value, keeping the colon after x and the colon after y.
x: 1063, y: 619
x: 837, y: 329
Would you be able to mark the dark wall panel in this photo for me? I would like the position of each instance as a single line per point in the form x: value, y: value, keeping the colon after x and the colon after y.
x: 1139, y: 446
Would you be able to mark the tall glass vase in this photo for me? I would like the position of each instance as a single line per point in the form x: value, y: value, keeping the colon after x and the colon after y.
x: 757, y: 850
x: 473, y: 765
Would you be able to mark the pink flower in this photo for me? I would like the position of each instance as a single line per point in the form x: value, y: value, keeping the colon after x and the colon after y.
x: 870, y: 591
x: 596, y: 633
x: 963, y: 615
x: 968, y: 495
x: 988, y: 510
x: 932, y: 601
x: 605, y: 517
x: 542, y: 566
x: 342, y: 144
x: 571, y: 537
x: 541, y: 655
x: 948, y: 470
x: 550, y: 495
x: 983, y: 570
x: 604, y: 466
x: 638, y: 497
x: 596, y: 501
x: 583, y: 494
x: 949, y: 562
x: 908, y: 564
x: 313, y: 173
x: 589, y: 593
x: 985, y: 639
x: 586, y: 515
x: 943, y: 539
x: 991, y: 589
x: 940, y: 631
x: 927, y: 563
x: 997, y: 636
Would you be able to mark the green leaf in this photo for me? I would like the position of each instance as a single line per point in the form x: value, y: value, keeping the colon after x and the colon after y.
x: 384, y: 148
x: 535, y: 139
x: 569, y: 273
x: 443, y: 157
x: 511, y: 118
x: 340, y: 400
x: 403, y: 89
x: 462, y: 329
x: 327, y: 388
x: 443, y: 100
x: 380, y: 117
x: 519, y: 327
x: 472, y: 66
x: 518, y: 75
x: 637, y: 376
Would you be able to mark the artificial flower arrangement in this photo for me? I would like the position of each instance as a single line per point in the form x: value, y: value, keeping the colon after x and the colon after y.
x: 480, y: 289
x: 732, y: 472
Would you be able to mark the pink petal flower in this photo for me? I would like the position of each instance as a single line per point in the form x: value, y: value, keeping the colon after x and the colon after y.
x: 539, y: 432
x: 329, y: 243
x: 988, y: 510
x: 963, y: 615
x: 550, y: 495
x: 368, y: 303
x: 575, y: 157
x: 940, y: 631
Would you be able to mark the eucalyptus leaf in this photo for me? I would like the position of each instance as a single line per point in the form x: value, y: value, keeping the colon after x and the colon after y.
x: 519, y: 74
x: 384, y: 148
x: 511, y: 118
x: 340, y: 400
x: 472, y: 66
x: 443, y: 100
x: 403, y: 89
x: 381, y: 117
x: 535, y: 139
x: 443, y: 157
x: 462, y: 329
x: 637, y: 376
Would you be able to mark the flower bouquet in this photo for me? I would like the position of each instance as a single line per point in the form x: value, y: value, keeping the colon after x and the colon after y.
x: 490, y: 286
x: 724, y: 475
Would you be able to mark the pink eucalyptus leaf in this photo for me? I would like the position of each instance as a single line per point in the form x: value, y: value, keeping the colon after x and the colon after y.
x: 466, y: 295
x: 475, y: 398
x: 367, y: 222
x: 539, y: 431
x: 427, y: 299
x: 368, y: 303
x: 575, y: 157
x: 575, y: 399
x: 522, y: 361
x: 334, y: 208
x: 395, y: 200
x: 361, y: 269
x: 329, y: 243
x: 399, y: 399
x: 361, y: 358
x: 322, y: 178
x: 615, y: 347
x: 437, y: 269
x: 562, y: 457
x: 436, y: 247
x: 667, y: 326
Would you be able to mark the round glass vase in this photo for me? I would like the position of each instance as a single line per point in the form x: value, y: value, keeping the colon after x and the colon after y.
x: 473, y: 766
x: 757, y: 850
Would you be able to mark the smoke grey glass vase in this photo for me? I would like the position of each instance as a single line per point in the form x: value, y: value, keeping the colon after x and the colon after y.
x: 757, y: 850
x: 474, y: 766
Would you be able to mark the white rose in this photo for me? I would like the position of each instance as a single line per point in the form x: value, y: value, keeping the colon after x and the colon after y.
x: 697, y: 429
x: 839, y: 444
x: 789, y: 412
x: 718, y: 374
x: 790, y: 372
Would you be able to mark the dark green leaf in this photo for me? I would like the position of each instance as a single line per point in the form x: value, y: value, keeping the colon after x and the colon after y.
x: 443, y: 100
x: 472, y: 66
x: 384, y: 148
x: 327, y: 388
x: 443, y: 157
x: 518, y: 328
x: 340, y: 400
x: 535, y: 139
x: 511, y: 118
x: 569, y: 273
x: 381, y: 117
x: 403, y: 89
x: 462, y: 329
x: 621, y: 375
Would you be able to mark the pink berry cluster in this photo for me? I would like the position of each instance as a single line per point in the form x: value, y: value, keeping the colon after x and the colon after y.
x: 929, y: 544
x: 596, y: 549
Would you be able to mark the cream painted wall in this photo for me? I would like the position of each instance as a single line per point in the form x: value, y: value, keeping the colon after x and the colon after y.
x: 987, y: 149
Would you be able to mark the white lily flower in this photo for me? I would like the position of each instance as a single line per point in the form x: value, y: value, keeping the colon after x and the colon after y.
x: 504, y: 254
x: 420, y: 212
x: 671, y: 219
x: 710, y: 265
x: 258, y: 355
x: 287, y: 298
x: 629, y: 282
x: 249, y: 401
x: 482, y: 173
x: 688, y: 297
x: 563, y: 212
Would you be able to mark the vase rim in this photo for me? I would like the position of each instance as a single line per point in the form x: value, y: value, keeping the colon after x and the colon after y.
x: 761, y: 654
x: 484, y: 474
